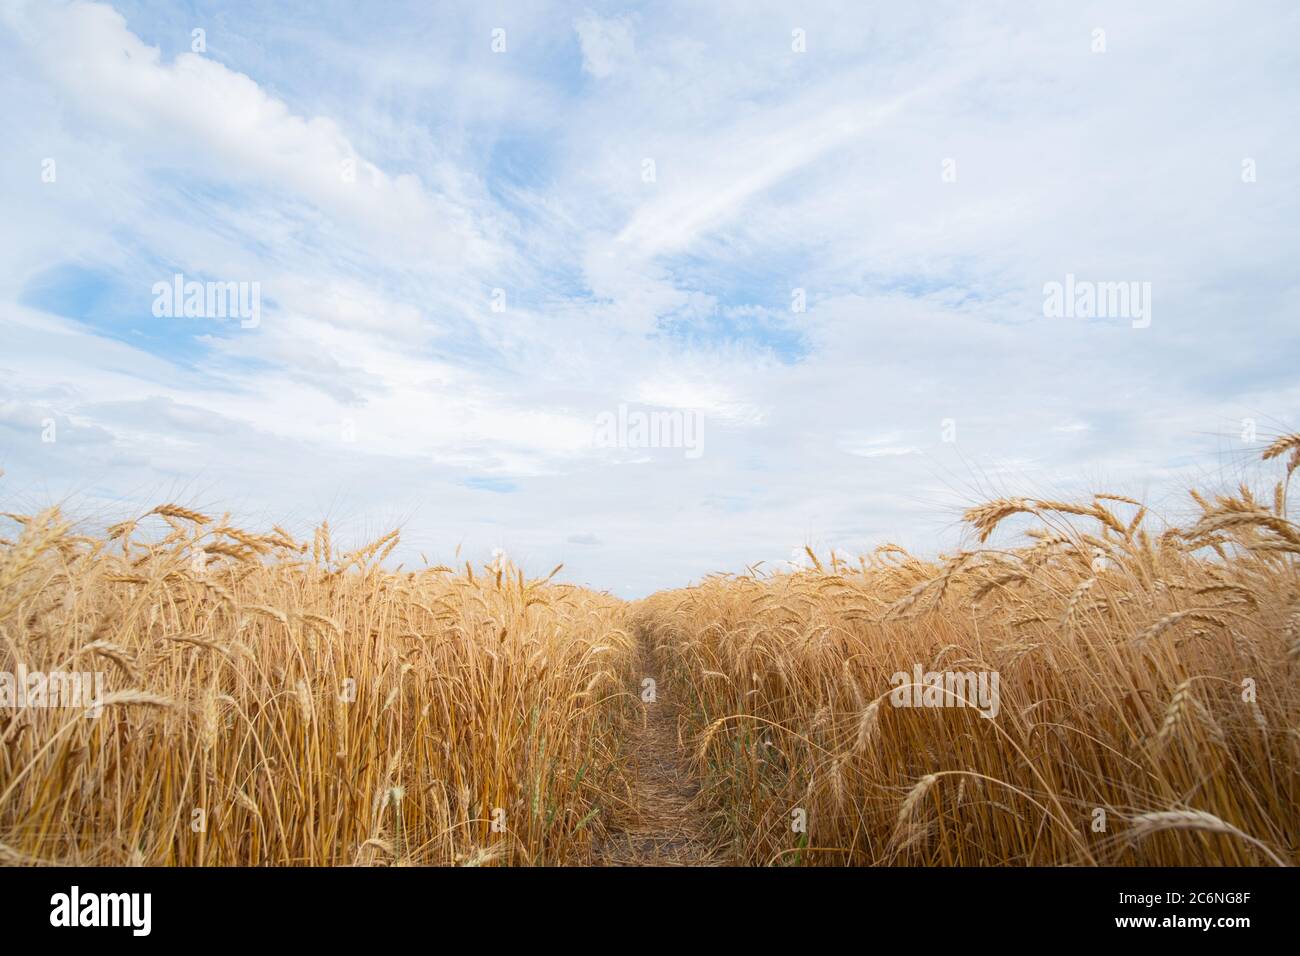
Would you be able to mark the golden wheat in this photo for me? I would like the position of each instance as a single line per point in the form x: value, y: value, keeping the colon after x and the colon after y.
x: 271, y: 701
x: 258, y: 710
x: 1139, y: 673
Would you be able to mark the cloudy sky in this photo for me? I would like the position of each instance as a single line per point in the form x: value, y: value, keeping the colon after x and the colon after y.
x: 819, y: 232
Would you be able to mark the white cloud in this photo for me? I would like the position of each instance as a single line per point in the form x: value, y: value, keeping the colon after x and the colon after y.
x: 775, y: 170
x: 195, y: 110
x: 607, y: 43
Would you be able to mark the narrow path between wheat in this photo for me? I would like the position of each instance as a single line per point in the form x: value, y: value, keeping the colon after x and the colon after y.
x: 664, y: 824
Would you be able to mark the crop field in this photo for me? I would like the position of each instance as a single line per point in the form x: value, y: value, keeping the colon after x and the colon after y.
x: 276, y: 702
x: 1105, y: 689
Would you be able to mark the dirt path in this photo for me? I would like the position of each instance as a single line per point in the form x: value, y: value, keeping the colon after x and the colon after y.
x: 664, y: 826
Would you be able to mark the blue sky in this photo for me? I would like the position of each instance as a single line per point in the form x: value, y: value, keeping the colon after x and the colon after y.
x: 381, y: 386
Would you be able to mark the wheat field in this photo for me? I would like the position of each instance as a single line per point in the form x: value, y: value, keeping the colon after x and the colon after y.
x: 271, y: 701
x: 317, y: 709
